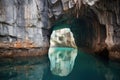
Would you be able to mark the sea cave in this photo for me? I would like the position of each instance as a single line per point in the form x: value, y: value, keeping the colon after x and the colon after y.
x: 59, y: 39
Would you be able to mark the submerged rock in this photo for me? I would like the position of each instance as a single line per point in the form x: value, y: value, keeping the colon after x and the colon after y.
x: 62, y: 60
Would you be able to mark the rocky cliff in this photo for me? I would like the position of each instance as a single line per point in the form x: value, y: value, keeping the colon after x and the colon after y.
x: 108, y: 13
x: 27, y: 23
x: 24, y: 24
x: 102, y: 21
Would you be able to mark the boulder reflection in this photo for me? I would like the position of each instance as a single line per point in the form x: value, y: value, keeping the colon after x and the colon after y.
x: 62, y: 60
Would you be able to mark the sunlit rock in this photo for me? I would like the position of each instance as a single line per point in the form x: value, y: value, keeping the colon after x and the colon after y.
x: 62, y: 60
x: 89, y: 2
x: 62, y: 37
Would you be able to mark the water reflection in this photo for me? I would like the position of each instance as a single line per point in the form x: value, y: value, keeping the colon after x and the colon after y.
x: 86, y: 66
x: 62, y: 60
x: 32, y: 68
x: 66, y: 64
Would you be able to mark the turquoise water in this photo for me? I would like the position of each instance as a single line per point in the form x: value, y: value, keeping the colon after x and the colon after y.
x: 76, y: 66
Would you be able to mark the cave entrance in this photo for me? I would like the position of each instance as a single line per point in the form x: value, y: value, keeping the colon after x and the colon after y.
x: 87, y: 32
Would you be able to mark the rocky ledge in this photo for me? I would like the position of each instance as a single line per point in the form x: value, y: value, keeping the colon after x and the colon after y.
x: 22, y: 52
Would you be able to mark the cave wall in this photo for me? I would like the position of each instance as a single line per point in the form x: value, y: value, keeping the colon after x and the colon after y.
x: 24, y: 23
x: 89, y: 34
x: 27, y: 23
x: 105, y: 20
x: 108, y: 12
x: 24, y: 27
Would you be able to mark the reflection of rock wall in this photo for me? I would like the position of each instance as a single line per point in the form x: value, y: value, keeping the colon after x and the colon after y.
x: 62, y: 60
x: 62, y: 37
x: 32, y: 68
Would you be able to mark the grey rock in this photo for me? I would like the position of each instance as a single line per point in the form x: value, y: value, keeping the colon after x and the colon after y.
x: 24, y: 19
x: 53, y: 1
x: 57, y: 10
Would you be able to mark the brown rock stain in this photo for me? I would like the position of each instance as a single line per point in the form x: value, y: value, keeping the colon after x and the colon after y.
x: 23, y: 44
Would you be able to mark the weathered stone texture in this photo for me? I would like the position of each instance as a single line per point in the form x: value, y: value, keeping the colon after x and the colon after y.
x: 62, y: 38
x: 108, y: 14
x: 26, y: 23
x: 22, y: 52
x: 23, y: 22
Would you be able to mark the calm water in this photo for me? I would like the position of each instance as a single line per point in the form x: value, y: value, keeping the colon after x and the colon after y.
x: 64, y: 64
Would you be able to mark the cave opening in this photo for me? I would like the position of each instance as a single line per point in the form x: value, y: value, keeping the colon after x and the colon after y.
x: 84, y: 37
x: 88, y: 33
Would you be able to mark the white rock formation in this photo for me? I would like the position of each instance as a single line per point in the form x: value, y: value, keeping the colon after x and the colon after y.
x: 62, y: 38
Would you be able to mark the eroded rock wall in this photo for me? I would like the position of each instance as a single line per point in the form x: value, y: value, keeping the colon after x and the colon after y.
x: 108, y: 12
x: 24, y: 24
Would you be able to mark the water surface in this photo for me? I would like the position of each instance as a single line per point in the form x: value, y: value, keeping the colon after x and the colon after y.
x: 83, y: 67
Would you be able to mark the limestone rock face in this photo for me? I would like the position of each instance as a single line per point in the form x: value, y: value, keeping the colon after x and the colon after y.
x: 62, y: 38
x: 108, y: 12
x: 61, y: 64
x: 24, y: 23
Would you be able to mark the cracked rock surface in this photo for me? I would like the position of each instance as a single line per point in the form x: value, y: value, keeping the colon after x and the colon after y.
x: 27, y: 23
